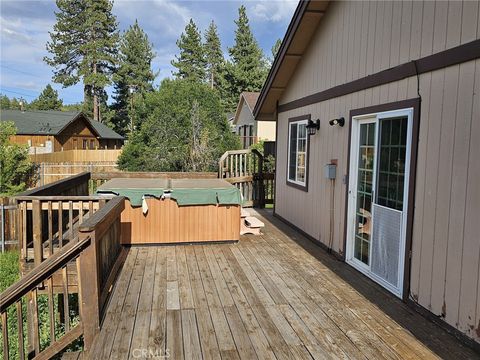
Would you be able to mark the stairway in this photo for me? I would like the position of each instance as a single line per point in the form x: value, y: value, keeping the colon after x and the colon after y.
x: 250, y: 224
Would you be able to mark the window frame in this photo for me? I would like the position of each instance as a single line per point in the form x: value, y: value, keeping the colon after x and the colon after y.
x: 295, y: 183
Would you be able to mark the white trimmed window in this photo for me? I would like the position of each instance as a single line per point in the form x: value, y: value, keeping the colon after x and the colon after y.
x: 297, y: 152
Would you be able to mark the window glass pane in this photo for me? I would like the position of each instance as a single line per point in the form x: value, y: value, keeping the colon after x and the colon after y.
x: 391, y: 169
x: 298, y: 152
x: 364, y: 191
x: 293, y: 152
x: 302, y: 131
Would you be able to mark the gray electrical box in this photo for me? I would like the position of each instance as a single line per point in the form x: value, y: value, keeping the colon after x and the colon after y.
x: 330, y: 171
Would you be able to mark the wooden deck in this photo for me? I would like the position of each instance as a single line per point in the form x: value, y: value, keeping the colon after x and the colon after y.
x: 274, y: 296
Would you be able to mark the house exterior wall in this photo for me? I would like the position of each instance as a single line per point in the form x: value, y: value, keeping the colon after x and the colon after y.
x: 266, y: 130
x: 72, y: 137
x: 357, y: 39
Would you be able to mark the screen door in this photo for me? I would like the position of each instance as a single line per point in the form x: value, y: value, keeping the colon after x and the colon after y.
x: 378, y: 186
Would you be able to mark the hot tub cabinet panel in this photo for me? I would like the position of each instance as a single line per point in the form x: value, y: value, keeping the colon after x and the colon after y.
x: 166, y: 222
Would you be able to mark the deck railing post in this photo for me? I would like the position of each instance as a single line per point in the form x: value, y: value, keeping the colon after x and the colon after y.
x: 89, y: 280
x: 37, y: 232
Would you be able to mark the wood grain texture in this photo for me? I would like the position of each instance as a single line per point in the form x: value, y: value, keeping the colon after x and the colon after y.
x: 166, y: 222
x: 325, y: 309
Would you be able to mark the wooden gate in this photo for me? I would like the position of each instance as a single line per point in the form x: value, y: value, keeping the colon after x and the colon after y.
x: 245, y: 170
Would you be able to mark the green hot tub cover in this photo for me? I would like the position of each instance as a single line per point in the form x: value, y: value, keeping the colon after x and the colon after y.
x: 204, y: 192
x: 134, y: 188
x: 184, y: 191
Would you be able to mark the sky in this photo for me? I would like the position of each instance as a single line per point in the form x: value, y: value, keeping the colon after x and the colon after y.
x: 25, y: 26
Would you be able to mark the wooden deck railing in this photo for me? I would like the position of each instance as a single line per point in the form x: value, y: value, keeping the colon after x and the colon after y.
x: 98, y: 256
x: 244, y: 169
x: 47, y: 223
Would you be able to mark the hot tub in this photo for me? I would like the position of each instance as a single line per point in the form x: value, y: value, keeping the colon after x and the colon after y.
x: 164, y: 211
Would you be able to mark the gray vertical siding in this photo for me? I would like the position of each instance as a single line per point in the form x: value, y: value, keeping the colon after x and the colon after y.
x: 360, y: 38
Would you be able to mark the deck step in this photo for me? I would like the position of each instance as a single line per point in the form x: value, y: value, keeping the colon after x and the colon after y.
x: 253, y: 222
x: 244, y: 213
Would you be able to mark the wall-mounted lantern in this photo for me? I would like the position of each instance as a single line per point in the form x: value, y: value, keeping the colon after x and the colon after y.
x: 340, y: 122
x: 313, y: 126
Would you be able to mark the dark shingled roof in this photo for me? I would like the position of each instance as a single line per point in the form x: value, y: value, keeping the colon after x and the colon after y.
x: 51, y: 122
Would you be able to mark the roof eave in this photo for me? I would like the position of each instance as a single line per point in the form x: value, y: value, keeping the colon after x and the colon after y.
x: 298, y: 15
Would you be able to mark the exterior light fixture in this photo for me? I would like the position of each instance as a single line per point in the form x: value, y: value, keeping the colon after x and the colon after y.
x: 340, y: 122
x: 313, y: 126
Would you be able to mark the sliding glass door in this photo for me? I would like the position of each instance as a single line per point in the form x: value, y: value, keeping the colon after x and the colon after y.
x: 378, y: 188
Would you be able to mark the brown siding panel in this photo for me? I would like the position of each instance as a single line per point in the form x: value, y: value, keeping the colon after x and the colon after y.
x: 445, y: 245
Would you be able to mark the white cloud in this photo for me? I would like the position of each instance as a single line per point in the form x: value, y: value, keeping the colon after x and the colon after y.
x: 273, y: 11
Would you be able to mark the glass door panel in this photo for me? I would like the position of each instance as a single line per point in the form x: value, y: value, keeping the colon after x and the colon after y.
x: 391, y: 164
x: 364, y: 193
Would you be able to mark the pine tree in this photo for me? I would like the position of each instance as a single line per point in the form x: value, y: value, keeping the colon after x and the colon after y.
x: 213, y: 56
x: 47, y: 100
x: 134, y: 72
x: 191, y: 61
x: 4, y: 102
x: 83, y: 46
x: 275, y: 48
x: 248, y: 68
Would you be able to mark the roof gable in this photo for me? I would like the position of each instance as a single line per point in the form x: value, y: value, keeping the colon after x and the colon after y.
x: 248, y: 98
x: 302, y: 27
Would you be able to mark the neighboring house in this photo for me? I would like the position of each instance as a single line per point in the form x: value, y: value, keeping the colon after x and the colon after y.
x: 403, y: 207
x: 249, y: 130
x: 50, y: 131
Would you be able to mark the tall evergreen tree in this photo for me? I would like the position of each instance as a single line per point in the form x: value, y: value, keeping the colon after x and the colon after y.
x: 84, y: 46
x: 248, y: 68
x: 134, y: 73
x: 213, y: 56
x: 47, y: 100
x: 275, y: 48
x: 4, y: 102
x: 190, y: 63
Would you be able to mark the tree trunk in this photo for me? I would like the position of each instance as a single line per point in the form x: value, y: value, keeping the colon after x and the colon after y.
x: 95, y: 98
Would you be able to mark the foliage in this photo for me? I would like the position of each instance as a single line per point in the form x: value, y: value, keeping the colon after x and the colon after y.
x: 47, y: 100
x: 72, y: 107
x: 248, y: 68
x: 185, y: 130
x: 12, y: 104
x: 16, y: 170
x: 268, y: 161
x: 84, y: 46
x: 4, y: 102
x: 214, y: 56
x: 190, y: 63
x: 275, y: 48
x: 9, y: 274
x: 134, y: 72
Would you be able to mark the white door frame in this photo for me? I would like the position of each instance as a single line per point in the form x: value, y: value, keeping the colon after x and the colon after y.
x: 352, y: 194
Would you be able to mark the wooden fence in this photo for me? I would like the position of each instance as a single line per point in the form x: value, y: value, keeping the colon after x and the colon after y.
x: 78, y: 156
x: 97, y: 255
x: 50, y: 172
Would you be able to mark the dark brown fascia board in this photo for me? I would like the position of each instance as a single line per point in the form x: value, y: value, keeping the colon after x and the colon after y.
x: 457, y: 55
x: 287, y: 39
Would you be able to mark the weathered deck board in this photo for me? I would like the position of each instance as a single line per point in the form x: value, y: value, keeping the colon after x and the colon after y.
x: 274, y: 296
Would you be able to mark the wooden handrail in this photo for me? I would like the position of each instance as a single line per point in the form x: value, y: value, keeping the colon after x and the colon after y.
x: 60, y: 186
x: 103, y: 216
x: 63, y: 198
x: 42, y: 272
